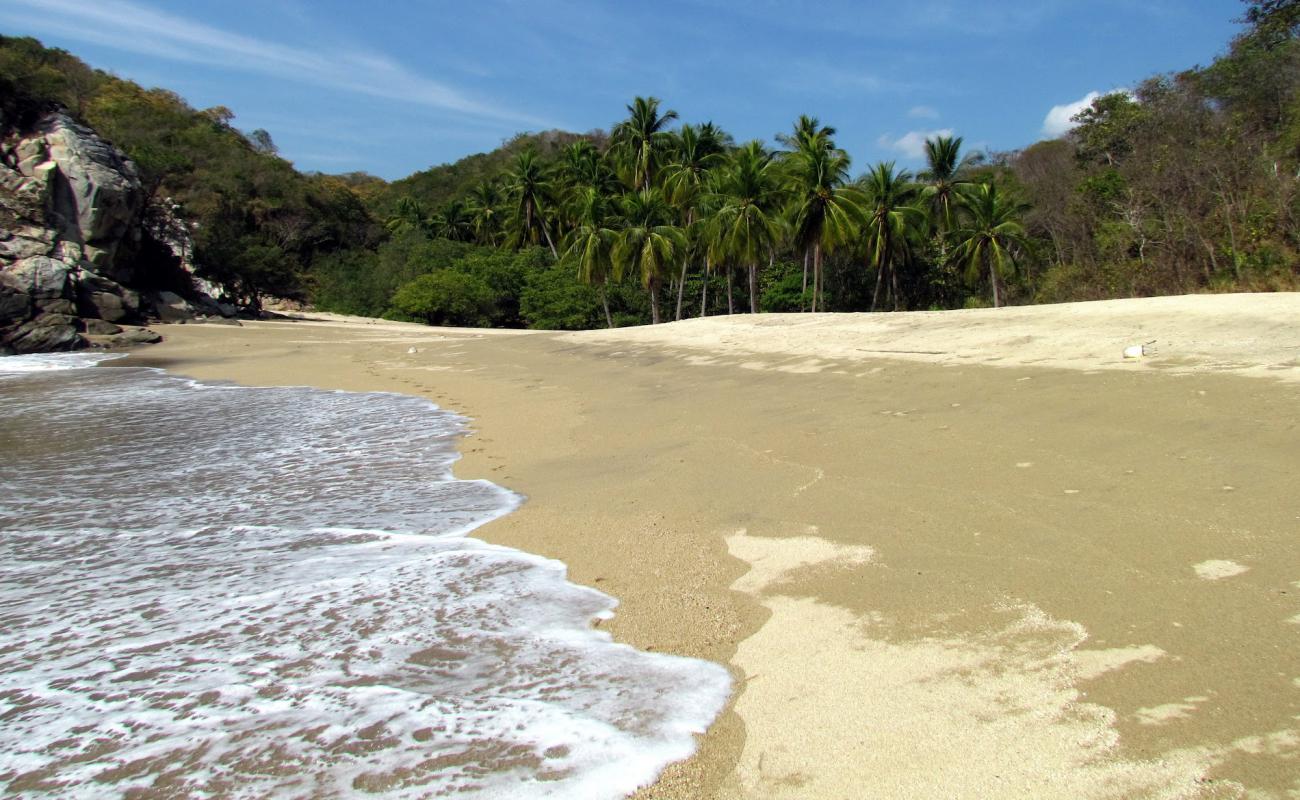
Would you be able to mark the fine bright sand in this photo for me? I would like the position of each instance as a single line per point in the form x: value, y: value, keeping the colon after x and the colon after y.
x: 954, y: 554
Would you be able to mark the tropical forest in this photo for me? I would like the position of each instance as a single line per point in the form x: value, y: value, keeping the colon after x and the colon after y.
x: 1186, y: 183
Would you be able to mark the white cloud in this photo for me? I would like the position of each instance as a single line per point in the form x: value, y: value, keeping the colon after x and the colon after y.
x: 912, y: 143
x: 923, y: 112
x: 139, y: 28
x: 1059, y: 121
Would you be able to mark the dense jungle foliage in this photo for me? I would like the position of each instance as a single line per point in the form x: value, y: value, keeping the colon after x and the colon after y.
x: 1188, y: 183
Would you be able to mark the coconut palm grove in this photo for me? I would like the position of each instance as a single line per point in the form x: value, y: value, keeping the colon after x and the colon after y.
x: 1188, y: 183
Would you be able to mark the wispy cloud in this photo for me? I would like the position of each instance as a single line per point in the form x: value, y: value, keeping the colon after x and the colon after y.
x: 911, y: 144
x: 972, y: 19
x: 822, y: 77
x: 854, y: 18
x: 141, y: 29
x: 1060, y: 120
x: 922, y: 112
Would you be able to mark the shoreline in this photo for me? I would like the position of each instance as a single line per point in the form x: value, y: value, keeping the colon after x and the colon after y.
x: 891, y: 529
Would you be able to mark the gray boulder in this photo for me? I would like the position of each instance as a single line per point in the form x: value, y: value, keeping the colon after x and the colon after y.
x: 74, y: 230
x: 57, y: 305
x: 93, y: 190
x: 106, y: 299
x: 98, y: 327
x: 38, y: 277
x: 15, y: 306
x: 134, y: 336
x: 171, y: 307
x: 47, y: 333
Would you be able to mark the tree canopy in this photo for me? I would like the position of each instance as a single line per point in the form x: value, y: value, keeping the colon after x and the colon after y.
x: 1187, y: 183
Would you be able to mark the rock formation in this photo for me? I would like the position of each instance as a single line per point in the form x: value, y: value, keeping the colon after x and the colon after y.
x: 72, y: 222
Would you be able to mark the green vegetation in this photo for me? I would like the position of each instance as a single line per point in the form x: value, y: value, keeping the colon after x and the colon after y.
x: 259, y: 226
x: 1188, y: 184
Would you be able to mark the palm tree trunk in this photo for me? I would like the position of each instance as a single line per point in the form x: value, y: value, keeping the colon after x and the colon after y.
x: 731, y: 305
x: 753, y: 288
x: 681, y: 290
x: 704, y: 292
x: 880, y: 274
x: 807, y: 251
x: 817, y: 274
x: 654, y: 302
x: 604, y: 301
x: 681, y: 284
x: 993, y: 278
x: 893, y: 284
x: 554, y: 254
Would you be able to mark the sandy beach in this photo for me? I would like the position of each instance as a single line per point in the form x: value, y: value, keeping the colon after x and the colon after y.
x: 944, y: 554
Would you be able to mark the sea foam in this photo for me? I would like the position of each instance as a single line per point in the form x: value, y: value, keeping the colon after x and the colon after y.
x: 224, y: 591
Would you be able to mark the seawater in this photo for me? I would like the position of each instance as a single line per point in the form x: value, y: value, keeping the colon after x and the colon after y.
x: 220, y: 591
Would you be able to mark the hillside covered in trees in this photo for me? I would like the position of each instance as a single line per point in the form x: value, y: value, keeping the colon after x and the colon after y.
x: 1186, y: 184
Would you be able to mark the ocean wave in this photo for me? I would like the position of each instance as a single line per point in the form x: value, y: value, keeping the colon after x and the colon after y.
x: 225, y: 591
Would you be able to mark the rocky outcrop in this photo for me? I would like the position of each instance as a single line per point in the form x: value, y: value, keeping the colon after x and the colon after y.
x: 90, y: 193
x: 198, y: 297
x: 73, y: 225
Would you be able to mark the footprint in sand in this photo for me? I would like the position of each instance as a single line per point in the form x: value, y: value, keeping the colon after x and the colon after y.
x: 1218, y: 569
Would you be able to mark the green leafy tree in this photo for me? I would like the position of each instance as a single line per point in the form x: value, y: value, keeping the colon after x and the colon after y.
x: 1273, y: 22
x: 446, y: 297
x: 643, y: 140
x: 943, y: 179
x: 583, y: 166
x: 591, y: 243
x: 991, y: 237
x: 891, y: 220
x: 484, y: 208
x: 453, y: 221
x: 697, y: 151
x: 825, y: 212
x: 1106, y: 129
x: 552, y: 300
x: 649, y: 245
x: 530, y: 188
x: 747, y: 223
x: 409, y: 215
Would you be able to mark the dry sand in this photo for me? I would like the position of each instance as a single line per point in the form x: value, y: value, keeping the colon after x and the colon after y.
x: 951, y: 554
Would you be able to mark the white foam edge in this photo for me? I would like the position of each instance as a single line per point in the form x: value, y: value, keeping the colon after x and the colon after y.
x: 52, y: 362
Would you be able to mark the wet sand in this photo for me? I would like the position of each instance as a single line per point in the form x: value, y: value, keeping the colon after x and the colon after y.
x: 950, y: 573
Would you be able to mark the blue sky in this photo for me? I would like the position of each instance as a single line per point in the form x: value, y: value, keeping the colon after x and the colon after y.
x: 394, y: 87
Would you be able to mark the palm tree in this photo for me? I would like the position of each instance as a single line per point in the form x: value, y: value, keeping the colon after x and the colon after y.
x: 591, y: 242
x: 991, y: 236
x: 485, y: 212
x: 453, y: 221
x: 580, y: 162
x: 746, y: 226
x: 530, y: 188
x: 890, y: 220
x: 408, y: 215
x: 942, y: 177
x: 649, y: 245
x: 824, y: 213
x: 806, y: 131
x: 697, y: 151
x: 643, y: 139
